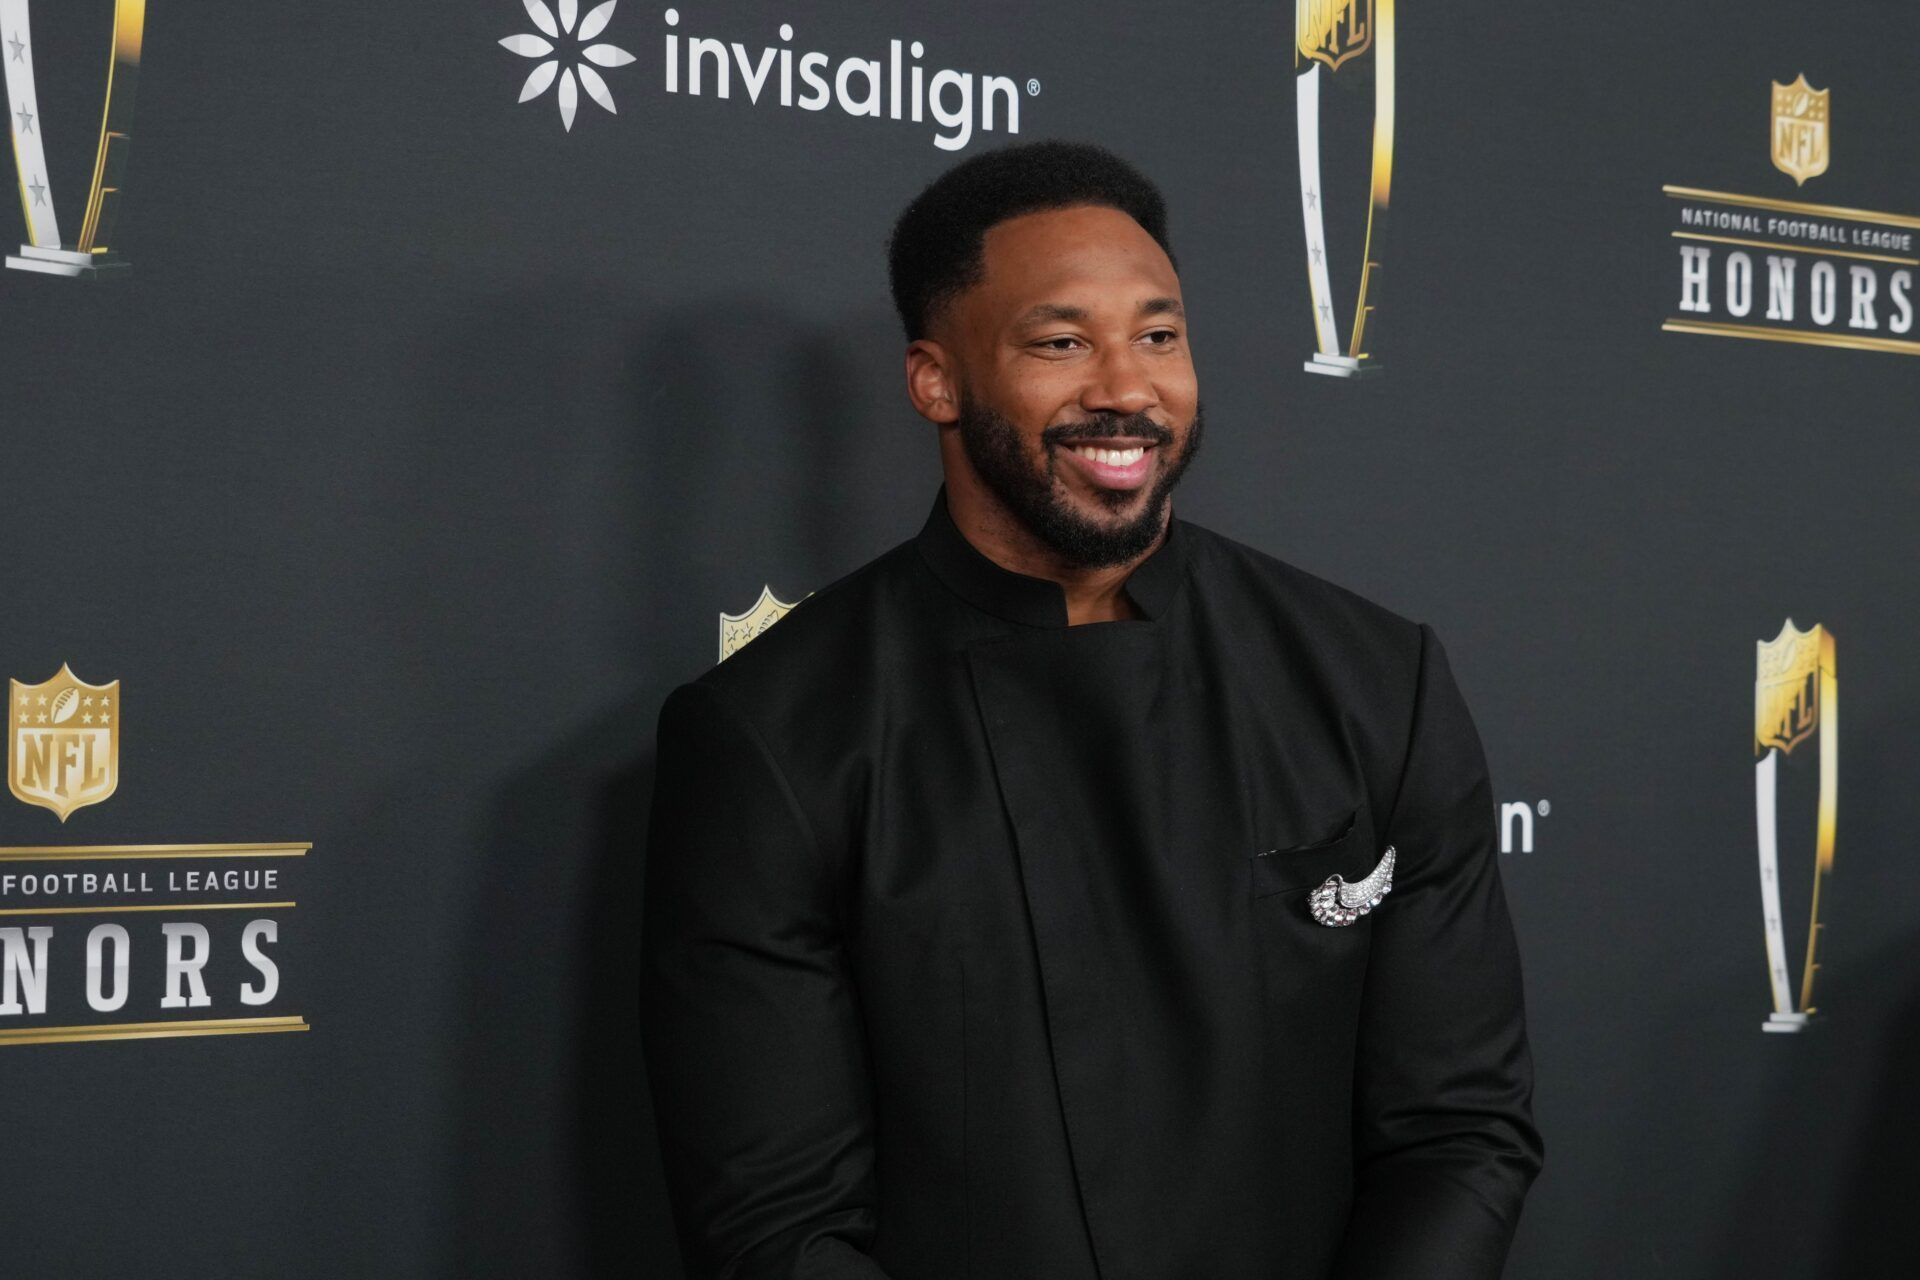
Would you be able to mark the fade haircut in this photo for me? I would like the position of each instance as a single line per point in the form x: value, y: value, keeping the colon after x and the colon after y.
x: 937, y: 247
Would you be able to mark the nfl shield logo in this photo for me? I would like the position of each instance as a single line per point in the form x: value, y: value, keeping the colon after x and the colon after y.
x: 1786, y: 687
x: 738, y: 628
x: 63, y: 751
x: 1332, y: 31
x: 1800, y: 129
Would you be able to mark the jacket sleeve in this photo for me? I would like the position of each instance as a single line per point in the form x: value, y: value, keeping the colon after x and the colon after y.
x: 1445, y: 1146
x: 755, y: 1053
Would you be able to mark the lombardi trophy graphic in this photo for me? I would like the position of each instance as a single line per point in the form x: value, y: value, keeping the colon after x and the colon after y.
x: 1796, y: 699
x: 1347, y: 49
x: 86, y: 250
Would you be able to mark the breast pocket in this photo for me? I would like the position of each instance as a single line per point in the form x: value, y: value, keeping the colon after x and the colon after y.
x: 1345, y: 850
x: 1310, y: 976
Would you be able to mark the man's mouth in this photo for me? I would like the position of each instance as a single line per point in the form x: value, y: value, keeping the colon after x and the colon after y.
x: 1113, y: 463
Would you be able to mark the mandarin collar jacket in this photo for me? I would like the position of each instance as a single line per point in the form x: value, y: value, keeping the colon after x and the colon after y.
x: 975, y: 944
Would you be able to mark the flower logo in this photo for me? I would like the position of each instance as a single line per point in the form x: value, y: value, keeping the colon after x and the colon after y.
x: 532, y: 46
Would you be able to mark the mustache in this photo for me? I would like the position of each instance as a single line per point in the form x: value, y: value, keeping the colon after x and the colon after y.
x: 1106, y: 427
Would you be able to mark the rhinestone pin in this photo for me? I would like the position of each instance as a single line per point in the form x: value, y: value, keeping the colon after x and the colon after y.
x: 1338, y: 903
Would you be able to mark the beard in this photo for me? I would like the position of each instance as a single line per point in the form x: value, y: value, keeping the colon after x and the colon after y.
x: 1037, y: 499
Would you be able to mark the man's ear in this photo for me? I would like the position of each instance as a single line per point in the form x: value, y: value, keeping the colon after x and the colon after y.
x: 932, y: 383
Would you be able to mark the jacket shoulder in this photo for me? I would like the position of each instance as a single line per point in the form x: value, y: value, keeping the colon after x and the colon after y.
x: 813, y: 643
x: 1324, y: 610
x: 1362, y: 662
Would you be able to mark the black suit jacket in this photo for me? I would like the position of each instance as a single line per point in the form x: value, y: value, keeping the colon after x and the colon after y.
x: 976, y: 944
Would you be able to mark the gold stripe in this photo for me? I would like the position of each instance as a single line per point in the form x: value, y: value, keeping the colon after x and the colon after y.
x: 1794, y: 248
x: 164, y: 906
x: 127, y: 38
x: 1718, y: 329
x: 90, y: 852
x: 20, y: 168
x: 1792, y: 206
x: 129, y: 22
x: 91, y: 218
x: 1360, y: 307
x: 152, y: 1030
x: 1382, y: 181
x: 1829, y: 805
x: 1384, y: 58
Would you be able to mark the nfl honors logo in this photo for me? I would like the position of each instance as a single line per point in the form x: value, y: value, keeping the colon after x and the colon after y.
x: 64, y: 749
x: 1800, y: 129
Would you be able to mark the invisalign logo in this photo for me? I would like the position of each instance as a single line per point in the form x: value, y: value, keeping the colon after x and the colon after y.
x: 956, y: 102
x: 858, y: 85
x: 574, y: 49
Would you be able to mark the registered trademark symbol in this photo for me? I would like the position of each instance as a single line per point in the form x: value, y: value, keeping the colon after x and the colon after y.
x: 1033, y: 88
x: 1544, y: 808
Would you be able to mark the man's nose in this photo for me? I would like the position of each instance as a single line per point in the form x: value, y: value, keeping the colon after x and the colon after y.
x: 1119, y: 382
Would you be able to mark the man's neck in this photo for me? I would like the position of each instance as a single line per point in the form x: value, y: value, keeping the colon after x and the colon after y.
x: 1093, y: 595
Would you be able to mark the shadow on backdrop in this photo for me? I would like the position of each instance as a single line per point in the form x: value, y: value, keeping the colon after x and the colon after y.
x: 651, y: 518
x: 560, y: 1172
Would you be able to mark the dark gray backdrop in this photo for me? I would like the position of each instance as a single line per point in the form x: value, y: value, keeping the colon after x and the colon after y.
x: 416, y: 459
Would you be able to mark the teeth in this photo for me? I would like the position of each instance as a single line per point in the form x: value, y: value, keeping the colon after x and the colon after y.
x: 1111, y: 457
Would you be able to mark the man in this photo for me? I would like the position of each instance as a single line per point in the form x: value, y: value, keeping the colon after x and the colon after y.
x: 1021, y: 904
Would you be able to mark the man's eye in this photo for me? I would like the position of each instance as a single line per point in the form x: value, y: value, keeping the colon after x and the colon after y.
x: 1168, y: 334
x: 1050, y: 341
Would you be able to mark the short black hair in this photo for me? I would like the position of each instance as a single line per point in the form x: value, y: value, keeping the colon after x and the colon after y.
x: 937, y: 247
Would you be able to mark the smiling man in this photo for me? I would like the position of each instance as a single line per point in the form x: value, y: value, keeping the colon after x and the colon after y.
x: 1071, y: 891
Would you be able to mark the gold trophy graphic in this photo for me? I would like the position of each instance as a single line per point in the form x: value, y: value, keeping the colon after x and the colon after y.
x: 1795, y: 697
x: 88, y: 253
x: 1350, y: 45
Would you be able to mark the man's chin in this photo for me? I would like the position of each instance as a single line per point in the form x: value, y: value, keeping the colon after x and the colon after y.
x: 1087, y: 530
x: 1097, y: 502
x: 1111, y: 510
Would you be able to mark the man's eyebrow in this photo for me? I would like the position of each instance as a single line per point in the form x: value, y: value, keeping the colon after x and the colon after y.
x: 1048, y: 312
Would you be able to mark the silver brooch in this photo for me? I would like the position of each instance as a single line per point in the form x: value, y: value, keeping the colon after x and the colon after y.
x: 1338, y: 903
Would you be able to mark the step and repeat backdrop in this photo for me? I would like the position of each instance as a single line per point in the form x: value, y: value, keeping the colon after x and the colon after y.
x: 398, y: 400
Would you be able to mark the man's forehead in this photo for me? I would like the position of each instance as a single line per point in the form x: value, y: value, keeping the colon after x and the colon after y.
x: 1061, y: 264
